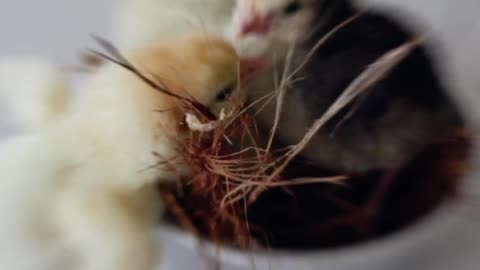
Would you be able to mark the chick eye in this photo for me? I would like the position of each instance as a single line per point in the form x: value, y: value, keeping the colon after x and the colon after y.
x: 225, y: 93
x: 292, y: 8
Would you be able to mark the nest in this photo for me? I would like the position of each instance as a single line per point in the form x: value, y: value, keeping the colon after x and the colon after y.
x: 241, y: 192
x: 231, y: 197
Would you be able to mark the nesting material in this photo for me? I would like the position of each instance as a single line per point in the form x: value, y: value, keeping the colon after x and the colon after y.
x: 243, y: 194
x: 240, y: 192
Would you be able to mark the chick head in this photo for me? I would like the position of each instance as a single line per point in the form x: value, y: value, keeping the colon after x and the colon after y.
x: 266, y: 27
x: 199, y: 67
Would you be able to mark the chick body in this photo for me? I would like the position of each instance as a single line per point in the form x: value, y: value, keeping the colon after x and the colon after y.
x: 58, y: 218
x: 81, y: 191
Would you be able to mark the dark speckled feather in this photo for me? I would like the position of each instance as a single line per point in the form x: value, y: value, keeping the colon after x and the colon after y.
x: 385, y: 128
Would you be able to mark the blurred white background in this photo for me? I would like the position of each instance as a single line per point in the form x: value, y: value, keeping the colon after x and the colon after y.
x: 54, y: 28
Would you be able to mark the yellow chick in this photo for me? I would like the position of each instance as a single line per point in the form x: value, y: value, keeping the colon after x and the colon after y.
x: 80, y: 194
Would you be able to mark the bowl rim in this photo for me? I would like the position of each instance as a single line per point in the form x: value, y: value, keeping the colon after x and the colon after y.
x: 423, y: 230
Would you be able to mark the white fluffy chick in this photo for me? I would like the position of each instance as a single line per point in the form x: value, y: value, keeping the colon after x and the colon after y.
x: 138, y: 22
x: 80, y: 195
x: 34, y: 90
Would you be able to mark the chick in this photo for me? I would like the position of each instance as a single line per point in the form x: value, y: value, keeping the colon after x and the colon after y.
x: 384, y: 128
x: 34, y: 90
x: 138, y: 22
x: 80, y: 194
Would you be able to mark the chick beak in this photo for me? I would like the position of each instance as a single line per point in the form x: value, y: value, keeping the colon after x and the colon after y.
x: 250, y: 67
x: 256, y: 24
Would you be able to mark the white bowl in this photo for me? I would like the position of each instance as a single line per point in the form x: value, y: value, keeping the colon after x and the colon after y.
x: 446, y: 239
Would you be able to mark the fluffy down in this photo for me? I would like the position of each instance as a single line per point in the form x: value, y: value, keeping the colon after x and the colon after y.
x: 34, y: 90
x: 80, y: 193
